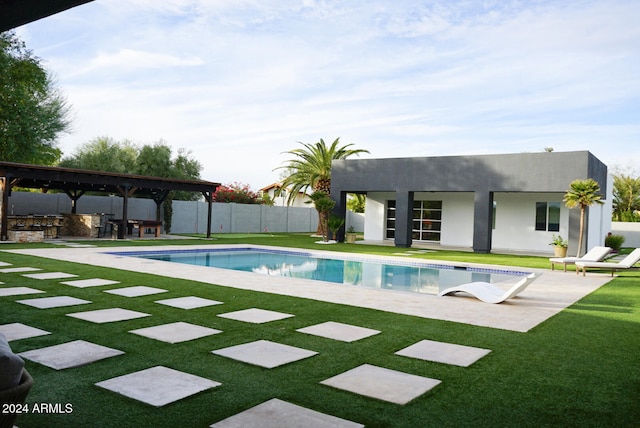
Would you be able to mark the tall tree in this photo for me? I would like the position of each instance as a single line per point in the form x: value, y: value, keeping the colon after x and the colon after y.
x: 583, y: 194
x: 33, y: 113
x: 104, y: 154
x: 310, y: 168
x: 626, y: 197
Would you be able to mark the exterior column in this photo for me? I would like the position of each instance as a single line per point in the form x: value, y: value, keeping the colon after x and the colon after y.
x: 404, y: 219
x: 340, y: 210
x: 122, y: 230
x: 482, y: 221
x: 4, y: 210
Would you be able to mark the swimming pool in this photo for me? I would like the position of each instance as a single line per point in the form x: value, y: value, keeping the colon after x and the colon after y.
x: 388, y: 274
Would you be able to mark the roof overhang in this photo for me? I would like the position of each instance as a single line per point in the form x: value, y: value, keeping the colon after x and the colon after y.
x: 14, y: 13
x: 71, y: 179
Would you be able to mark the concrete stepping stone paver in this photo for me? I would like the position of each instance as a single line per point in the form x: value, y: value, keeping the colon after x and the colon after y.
x: 70, y: 354
x: 18, y: 291
x: 276, y: 413
x: 93, y: 282
x: 382, y: 383
x: 256, y: 316
x: 17, y: 331
x: 101, y: 316
x: 440, y: 352
x: 189, y: 302
x: 265, y: 353
x: 19, y: 269
x: 136, y: 291
x: 158, y: 385
x: 53, y: 302
x: 176, y: 332
x: 339, y: 331
x: 49, y: 275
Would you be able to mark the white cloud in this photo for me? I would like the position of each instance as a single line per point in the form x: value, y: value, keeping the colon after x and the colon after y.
x: 240, y: 82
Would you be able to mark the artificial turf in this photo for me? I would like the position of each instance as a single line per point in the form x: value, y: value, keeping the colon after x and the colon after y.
x: 579, y: 368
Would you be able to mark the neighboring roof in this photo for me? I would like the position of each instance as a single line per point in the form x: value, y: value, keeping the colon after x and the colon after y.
x: 14, y: 13
x: 47, y: 177
x: 271, y: 186
x: 278, y: 186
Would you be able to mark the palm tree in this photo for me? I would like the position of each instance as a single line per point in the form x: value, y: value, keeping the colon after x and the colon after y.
x: 626, y: 196
x: 582, y: 193
x: 311, y: 167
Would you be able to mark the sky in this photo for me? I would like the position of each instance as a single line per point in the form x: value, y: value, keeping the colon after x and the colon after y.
x: 239, y: 83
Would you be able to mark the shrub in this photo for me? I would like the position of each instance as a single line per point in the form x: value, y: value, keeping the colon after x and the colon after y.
x: 614, y: 242
x: 236, y: 192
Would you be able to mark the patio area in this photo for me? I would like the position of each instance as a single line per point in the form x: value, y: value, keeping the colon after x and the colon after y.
x: 550, y: 293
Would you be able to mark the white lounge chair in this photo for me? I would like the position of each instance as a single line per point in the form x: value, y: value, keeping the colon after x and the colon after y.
x: 626, y: 263
x: 488, y: 292
x: 596, y: 254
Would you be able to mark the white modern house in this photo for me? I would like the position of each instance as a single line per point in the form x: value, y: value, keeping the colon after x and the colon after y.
x: 508, y: 202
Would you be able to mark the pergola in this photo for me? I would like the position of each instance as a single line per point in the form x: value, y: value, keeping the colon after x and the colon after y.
x: 76, y: 182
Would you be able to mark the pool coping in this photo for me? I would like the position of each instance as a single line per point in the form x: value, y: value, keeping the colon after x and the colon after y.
x: 548, y: 295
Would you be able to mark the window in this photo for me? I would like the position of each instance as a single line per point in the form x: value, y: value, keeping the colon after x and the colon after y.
x: 391, y: 220
x: 427, y: 220
x: 548, y: 216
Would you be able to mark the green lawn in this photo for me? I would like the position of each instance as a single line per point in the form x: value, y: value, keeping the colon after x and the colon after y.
x: 579, y: 368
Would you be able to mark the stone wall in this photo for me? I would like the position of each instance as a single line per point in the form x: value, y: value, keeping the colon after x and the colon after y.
x: 25, y: 235
x: 86, y: 225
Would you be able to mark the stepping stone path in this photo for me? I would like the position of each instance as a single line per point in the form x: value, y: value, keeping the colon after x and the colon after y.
x: 17, y: 331
x: 280, y: 414
x: 137, y: 291
x: 190, y: 302
x: 70, y: 354
x: 49, y: 275
x: 265, y: 353
x: 19, y: 269
x: 53, y: 302
x: 18, y: 291
x: 255, y: 316
x: 448, y: 353
x: 93, y: 282
x: 339, y: 331
x: 108, y: 315
x: 158, y: 385
x: 175, y: 332
x: 381, y: 383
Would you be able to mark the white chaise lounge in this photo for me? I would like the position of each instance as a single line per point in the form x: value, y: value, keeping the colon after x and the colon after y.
x: 596, y: 254
x: 626, y: 263
x: 490, y: 293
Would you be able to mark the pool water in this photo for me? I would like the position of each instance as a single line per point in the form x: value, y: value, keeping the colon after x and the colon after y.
x: 385, y: 274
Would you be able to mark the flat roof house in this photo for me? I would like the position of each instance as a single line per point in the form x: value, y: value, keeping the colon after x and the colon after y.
x: 484, y: 202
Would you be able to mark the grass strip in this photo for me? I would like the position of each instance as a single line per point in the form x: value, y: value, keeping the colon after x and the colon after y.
x: 579, y: 368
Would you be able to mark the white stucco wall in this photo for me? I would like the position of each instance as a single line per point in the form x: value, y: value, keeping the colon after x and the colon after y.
x: 374, y: 212
x: 630, y: 231
x: 600, y: 223
x: 515, y: 222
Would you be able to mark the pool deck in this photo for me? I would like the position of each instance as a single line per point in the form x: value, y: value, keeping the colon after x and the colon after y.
x: 546, y: 296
